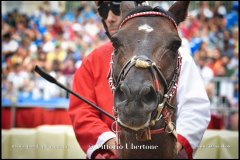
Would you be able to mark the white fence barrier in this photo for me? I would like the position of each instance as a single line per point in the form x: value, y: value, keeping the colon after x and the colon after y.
x: 59, y: 142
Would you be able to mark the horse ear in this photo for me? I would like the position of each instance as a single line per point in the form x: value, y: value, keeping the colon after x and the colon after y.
x: 179, y: 10
x: 126, y: 6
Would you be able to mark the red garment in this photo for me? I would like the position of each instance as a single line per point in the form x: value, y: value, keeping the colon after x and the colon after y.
x: 88, y: 123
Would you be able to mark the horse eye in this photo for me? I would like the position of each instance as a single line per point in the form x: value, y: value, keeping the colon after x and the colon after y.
x: 115, y: 51
x: 115, y: 42
x: 176, y: 45
x: 115, y: 46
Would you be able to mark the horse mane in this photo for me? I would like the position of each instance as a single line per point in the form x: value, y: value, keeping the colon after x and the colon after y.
x: 140, y: 9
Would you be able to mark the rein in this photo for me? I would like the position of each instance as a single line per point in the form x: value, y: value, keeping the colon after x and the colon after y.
x: 164, y: 108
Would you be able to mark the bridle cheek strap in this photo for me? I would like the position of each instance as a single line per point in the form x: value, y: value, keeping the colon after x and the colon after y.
x: 164, y: 109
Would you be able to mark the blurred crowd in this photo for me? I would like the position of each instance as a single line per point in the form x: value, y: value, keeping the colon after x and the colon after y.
x: 212, y: 34
x: 58, y: 42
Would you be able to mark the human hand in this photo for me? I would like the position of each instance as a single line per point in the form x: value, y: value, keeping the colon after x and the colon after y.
x: 105, y: 154
x: 109, y: 150
x: 112, y: 145
x: 179, y: 147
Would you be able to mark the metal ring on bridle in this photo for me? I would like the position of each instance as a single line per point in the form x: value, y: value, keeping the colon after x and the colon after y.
x: 112, y: 127
x: 171, y: 129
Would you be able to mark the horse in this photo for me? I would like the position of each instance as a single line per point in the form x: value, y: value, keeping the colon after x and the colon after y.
x: 144, y: 71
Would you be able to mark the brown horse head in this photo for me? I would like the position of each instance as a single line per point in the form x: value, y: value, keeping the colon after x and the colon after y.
x: 150, y: 39
x: 144, y: 73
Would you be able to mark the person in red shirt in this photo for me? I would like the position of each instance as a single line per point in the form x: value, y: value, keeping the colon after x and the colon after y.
x: 93, y: 129
x: 90, y: 81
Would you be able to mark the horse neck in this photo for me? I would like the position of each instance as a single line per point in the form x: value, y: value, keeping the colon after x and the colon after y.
x: 160, y: 146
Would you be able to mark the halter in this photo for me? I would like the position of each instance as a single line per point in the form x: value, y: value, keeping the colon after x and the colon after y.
x: 164, y: 108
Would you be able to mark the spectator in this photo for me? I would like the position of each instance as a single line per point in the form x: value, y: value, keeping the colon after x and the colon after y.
x: 48, y: 44
x: 47, y: 19
x: 203, y: 52
x: 217, y: 61
x: 234, y: 61
x: 9, y: 46
x: 205, y: 71
x: 57, y: 54
x: 219, y: 9
x: 18, y: 77
x: 69, y: 68
x: 5, y: 28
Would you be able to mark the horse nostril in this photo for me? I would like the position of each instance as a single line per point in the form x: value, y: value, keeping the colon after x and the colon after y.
x: 124, y: 88
x: 148, y: 95
x: 122, y: 93
x: 144, y: 91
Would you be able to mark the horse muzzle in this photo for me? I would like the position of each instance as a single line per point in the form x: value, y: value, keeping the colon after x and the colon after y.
x: 135, y: 128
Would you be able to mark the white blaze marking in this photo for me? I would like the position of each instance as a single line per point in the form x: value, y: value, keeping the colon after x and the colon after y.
x: 146, y: 28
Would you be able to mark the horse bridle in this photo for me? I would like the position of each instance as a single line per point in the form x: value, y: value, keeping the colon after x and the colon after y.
x: 164, y: 108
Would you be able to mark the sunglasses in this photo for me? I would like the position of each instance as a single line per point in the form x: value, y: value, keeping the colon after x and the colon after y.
x: 104, y: 8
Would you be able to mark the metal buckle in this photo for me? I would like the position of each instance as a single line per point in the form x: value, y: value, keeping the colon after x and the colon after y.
x: 171, y: 126
x: 116, y: 127
x: 159, y: 109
